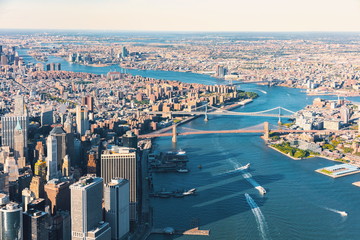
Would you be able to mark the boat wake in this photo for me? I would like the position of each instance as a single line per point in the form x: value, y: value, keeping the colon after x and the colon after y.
x: 264, y: 92
x: 259, y: 217
x: 342, y: 213
x: 255, y: 184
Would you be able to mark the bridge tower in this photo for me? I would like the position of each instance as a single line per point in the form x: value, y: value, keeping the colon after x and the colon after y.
x: 279, y: 121
x: 174, y: 134
x: 266, y: 131
x: 206, y: 115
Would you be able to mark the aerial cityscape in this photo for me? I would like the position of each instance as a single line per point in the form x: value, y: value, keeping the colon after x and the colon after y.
x: 161, y: 120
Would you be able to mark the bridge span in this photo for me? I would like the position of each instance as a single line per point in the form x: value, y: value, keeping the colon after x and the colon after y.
x: 265, y: 131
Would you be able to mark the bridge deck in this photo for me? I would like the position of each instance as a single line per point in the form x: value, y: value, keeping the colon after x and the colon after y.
x: 245, y: 131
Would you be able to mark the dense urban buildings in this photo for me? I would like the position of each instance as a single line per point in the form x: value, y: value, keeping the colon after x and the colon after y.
x: 78, y: 158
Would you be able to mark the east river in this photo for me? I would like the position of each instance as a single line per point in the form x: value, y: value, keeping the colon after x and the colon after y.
x: 299, y: 204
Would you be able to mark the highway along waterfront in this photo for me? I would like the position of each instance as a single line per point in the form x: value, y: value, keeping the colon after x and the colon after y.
x: 299, y: 203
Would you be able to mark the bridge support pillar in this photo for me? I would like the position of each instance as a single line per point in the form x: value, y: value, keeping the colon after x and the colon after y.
x: 174, y: 134
x: 266, y: 131
x: 206, y: 116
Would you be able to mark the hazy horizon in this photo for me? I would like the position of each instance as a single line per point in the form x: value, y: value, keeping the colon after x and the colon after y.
x: 183, y: 16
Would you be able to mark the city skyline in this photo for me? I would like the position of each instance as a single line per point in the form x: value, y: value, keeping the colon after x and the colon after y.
x: 185, y: 15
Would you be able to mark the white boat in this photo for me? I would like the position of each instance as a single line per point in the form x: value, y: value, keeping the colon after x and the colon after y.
x: 183, y: 170
x: 190, y: 192
x: 261, y: 190
x: 245, y: 167
x: 181, y: 152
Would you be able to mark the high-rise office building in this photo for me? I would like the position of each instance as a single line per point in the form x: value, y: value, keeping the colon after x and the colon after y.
x: 88, y: 101
x: 124, y: 52
x: 86, y: 210
x: 116, y: 199
x: 35, y: 225
x: 9, y: 123
x: 3, y: 60
x: 221, y: 71
x: 46, y: 116
x: 4, y: 182
x: 20, y: 108
x: 129, y: 139
x: 60, y: 136
x: 40, y: 168
x: 68, y: 125
x: 27, y: 197
x: 120, y: 162
x: 37, y: 186
x: 11, y: 224
x: 345, y: 114
x: 57, y: 195
x: 82, y: 120
x: 19, y: 145
x: 61, y: 226
x: 51, y: 159
x: 11, y: 168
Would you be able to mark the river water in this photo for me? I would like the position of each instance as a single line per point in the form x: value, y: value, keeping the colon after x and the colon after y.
x: 299, y: 204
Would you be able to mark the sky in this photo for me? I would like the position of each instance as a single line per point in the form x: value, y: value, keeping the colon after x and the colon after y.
x: 182, y: 15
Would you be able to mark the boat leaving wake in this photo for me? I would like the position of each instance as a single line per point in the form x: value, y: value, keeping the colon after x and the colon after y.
x: 342, y: 213
x: 259, y: 217
x: 255, y: 184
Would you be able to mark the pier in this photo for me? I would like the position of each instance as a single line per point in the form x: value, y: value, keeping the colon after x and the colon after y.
x: 193, y: 232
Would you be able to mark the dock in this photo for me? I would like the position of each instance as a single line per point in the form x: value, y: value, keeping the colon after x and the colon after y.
x: 193, y: 232
x: 356, y: 184
x: 340, y: 170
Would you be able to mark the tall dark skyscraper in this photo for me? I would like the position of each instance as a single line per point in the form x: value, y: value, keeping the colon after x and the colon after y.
x: 120, y: 162
x: 35, y: 225
x: 11, y: 222
x: 116, y: 202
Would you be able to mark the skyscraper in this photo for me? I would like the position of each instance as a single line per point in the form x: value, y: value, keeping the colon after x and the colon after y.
x: 46, y: 117
x: 86, y: 209
x: 124, y: 52
x: 11, y: 222
x: 51, y: 159
x: 82, y: 120
x: 57, y: 195
x: 20, y: 109
x: 35, y: 225
x: 129, y: 139
x: 40, y: 168
x: 120, y: 162
x: 37, y: 186
x: 60, y: 136
x: 116, y: 198
x: 27, y: 197
x: 19, y: 145
x: 88, y: 101
x: 10, y: 122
